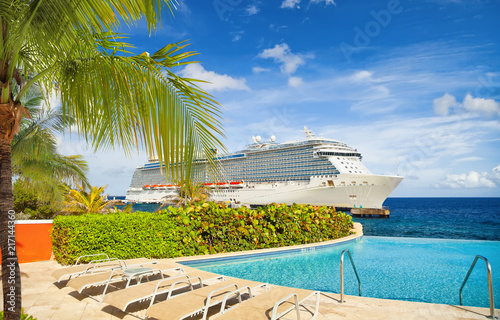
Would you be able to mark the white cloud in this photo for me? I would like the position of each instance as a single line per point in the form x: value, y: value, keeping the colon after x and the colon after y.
x: 259, y: 70
x: 289, y: 3
x: 327, y: 2
x: 442, y: 105
x: 289, y: 61
x: 481, y: 105
x: 473, y: 179
x: 217, y: 82
x: 294, y: 3
x: 252, y: 9
x: 468, y: 159
x: 488, y: 107
x: 362, y: 76
x: 237, y: 35
x: 281, y: 53
x: 295, y: 82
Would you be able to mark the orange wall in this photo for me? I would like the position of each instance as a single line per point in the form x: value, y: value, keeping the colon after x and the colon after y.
x: 33, y: 241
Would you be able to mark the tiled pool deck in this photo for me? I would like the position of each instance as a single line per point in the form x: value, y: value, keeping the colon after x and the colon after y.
x: 43, y: 299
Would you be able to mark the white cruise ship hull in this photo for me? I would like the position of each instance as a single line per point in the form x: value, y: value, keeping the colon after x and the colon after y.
x: 342, y: 191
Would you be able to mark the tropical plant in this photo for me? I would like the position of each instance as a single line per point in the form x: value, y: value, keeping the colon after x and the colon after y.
x: 126, y: 209
x: 31, y: 203
x: 115, y: 96
x: 41, y: 172
x: 189, y: 193
x: 24, y: 316
x: 92, y: 201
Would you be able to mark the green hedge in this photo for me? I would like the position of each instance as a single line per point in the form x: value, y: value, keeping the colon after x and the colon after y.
x: 123, y: 236
x: 202, y: 228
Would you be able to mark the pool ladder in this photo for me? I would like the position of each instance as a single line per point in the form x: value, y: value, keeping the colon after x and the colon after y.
x: 490, y: 284
x: 342, y: 274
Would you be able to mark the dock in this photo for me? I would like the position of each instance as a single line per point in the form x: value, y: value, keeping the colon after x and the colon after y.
x: 362, y: 212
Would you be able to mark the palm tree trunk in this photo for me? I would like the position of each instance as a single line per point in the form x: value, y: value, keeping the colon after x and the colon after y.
x: 11, y: 279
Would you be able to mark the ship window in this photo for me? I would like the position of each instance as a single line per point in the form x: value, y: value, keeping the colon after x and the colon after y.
x: 350, y: 171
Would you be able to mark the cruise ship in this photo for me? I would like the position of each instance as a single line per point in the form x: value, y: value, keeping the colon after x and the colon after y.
x: 315, y: 171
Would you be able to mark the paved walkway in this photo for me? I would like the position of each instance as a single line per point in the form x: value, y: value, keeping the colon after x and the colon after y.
x: 43, y: 299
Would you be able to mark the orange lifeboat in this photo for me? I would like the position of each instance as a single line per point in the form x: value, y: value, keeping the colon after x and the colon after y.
x: 236, y: 184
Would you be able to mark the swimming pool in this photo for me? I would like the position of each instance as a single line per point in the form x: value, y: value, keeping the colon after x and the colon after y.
x: 411, y: 269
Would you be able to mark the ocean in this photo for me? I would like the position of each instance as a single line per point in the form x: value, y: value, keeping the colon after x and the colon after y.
x: 444, y: 218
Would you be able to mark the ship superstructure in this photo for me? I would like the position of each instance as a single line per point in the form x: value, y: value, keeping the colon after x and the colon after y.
x: 315, y: 171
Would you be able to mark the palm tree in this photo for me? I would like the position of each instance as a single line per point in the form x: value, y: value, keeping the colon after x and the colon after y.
x: 35, y: 161
x: 190, y: 192
x: 115, y: 96
x: 92, y: 201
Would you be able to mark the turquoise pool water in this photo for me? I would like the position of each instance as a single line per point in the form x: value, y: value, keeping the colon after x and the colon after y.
x: 412, y: 269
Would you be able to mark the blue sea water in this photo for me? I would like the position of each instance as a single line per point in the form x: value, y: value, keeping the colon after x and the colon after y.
x: 448, y: 218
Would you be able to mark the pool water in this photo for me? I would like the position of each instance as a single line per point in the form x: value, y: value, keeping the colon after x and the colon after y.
x: 412, y: 269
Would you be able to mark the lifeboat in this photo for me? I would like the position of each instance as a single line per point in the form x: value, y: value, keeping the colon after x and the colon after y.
x: 162, y: 186
x: 154, y: 186
x: 236, y: 184
x: 146, y: 186
x: 222, y: 184
x: 209, y: 185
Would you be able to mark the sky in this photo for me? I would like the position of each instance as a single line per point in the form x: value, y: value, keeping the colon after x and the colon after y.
x: 413, y: 85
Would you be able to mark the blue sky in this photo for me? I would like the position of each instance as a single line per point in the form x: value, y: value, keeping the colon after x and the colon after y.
x: 413, y: 85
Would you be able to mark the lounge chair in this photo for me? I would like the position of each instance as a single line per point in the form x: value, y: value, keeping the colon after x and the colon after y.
x: 94, y: 266
x: 199, y: 301
x: 121, y: 299
x: 273, y: 304
x: 124, y: 275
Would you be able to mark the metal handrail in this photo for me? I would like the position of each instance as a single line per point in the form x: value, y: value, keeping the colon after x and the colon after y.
x: 490, y: 284
x: 342, y: 274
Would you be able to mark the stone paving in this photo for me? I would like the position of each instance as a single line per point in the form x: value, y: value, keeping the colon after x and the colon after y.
x: 43, y: 299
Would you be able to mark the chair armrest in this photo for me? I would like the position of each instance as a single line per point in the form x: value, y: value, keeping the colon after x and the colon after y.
x: 91, y: 255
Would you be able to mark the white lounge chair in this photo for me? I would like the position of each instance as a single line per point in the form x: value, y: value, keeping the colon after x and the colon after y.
x: 274, y: 304
x: 199, y: 301
x: 121, y: 299
x: 94, y: 266
x: 124, y: 275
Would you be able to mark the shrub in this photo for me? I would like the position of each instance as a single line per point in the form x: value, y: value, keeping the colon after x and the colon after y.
x: 201, y: 228
x: 24, y: 316
x: 212, y: 228
x: 123, y: 236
